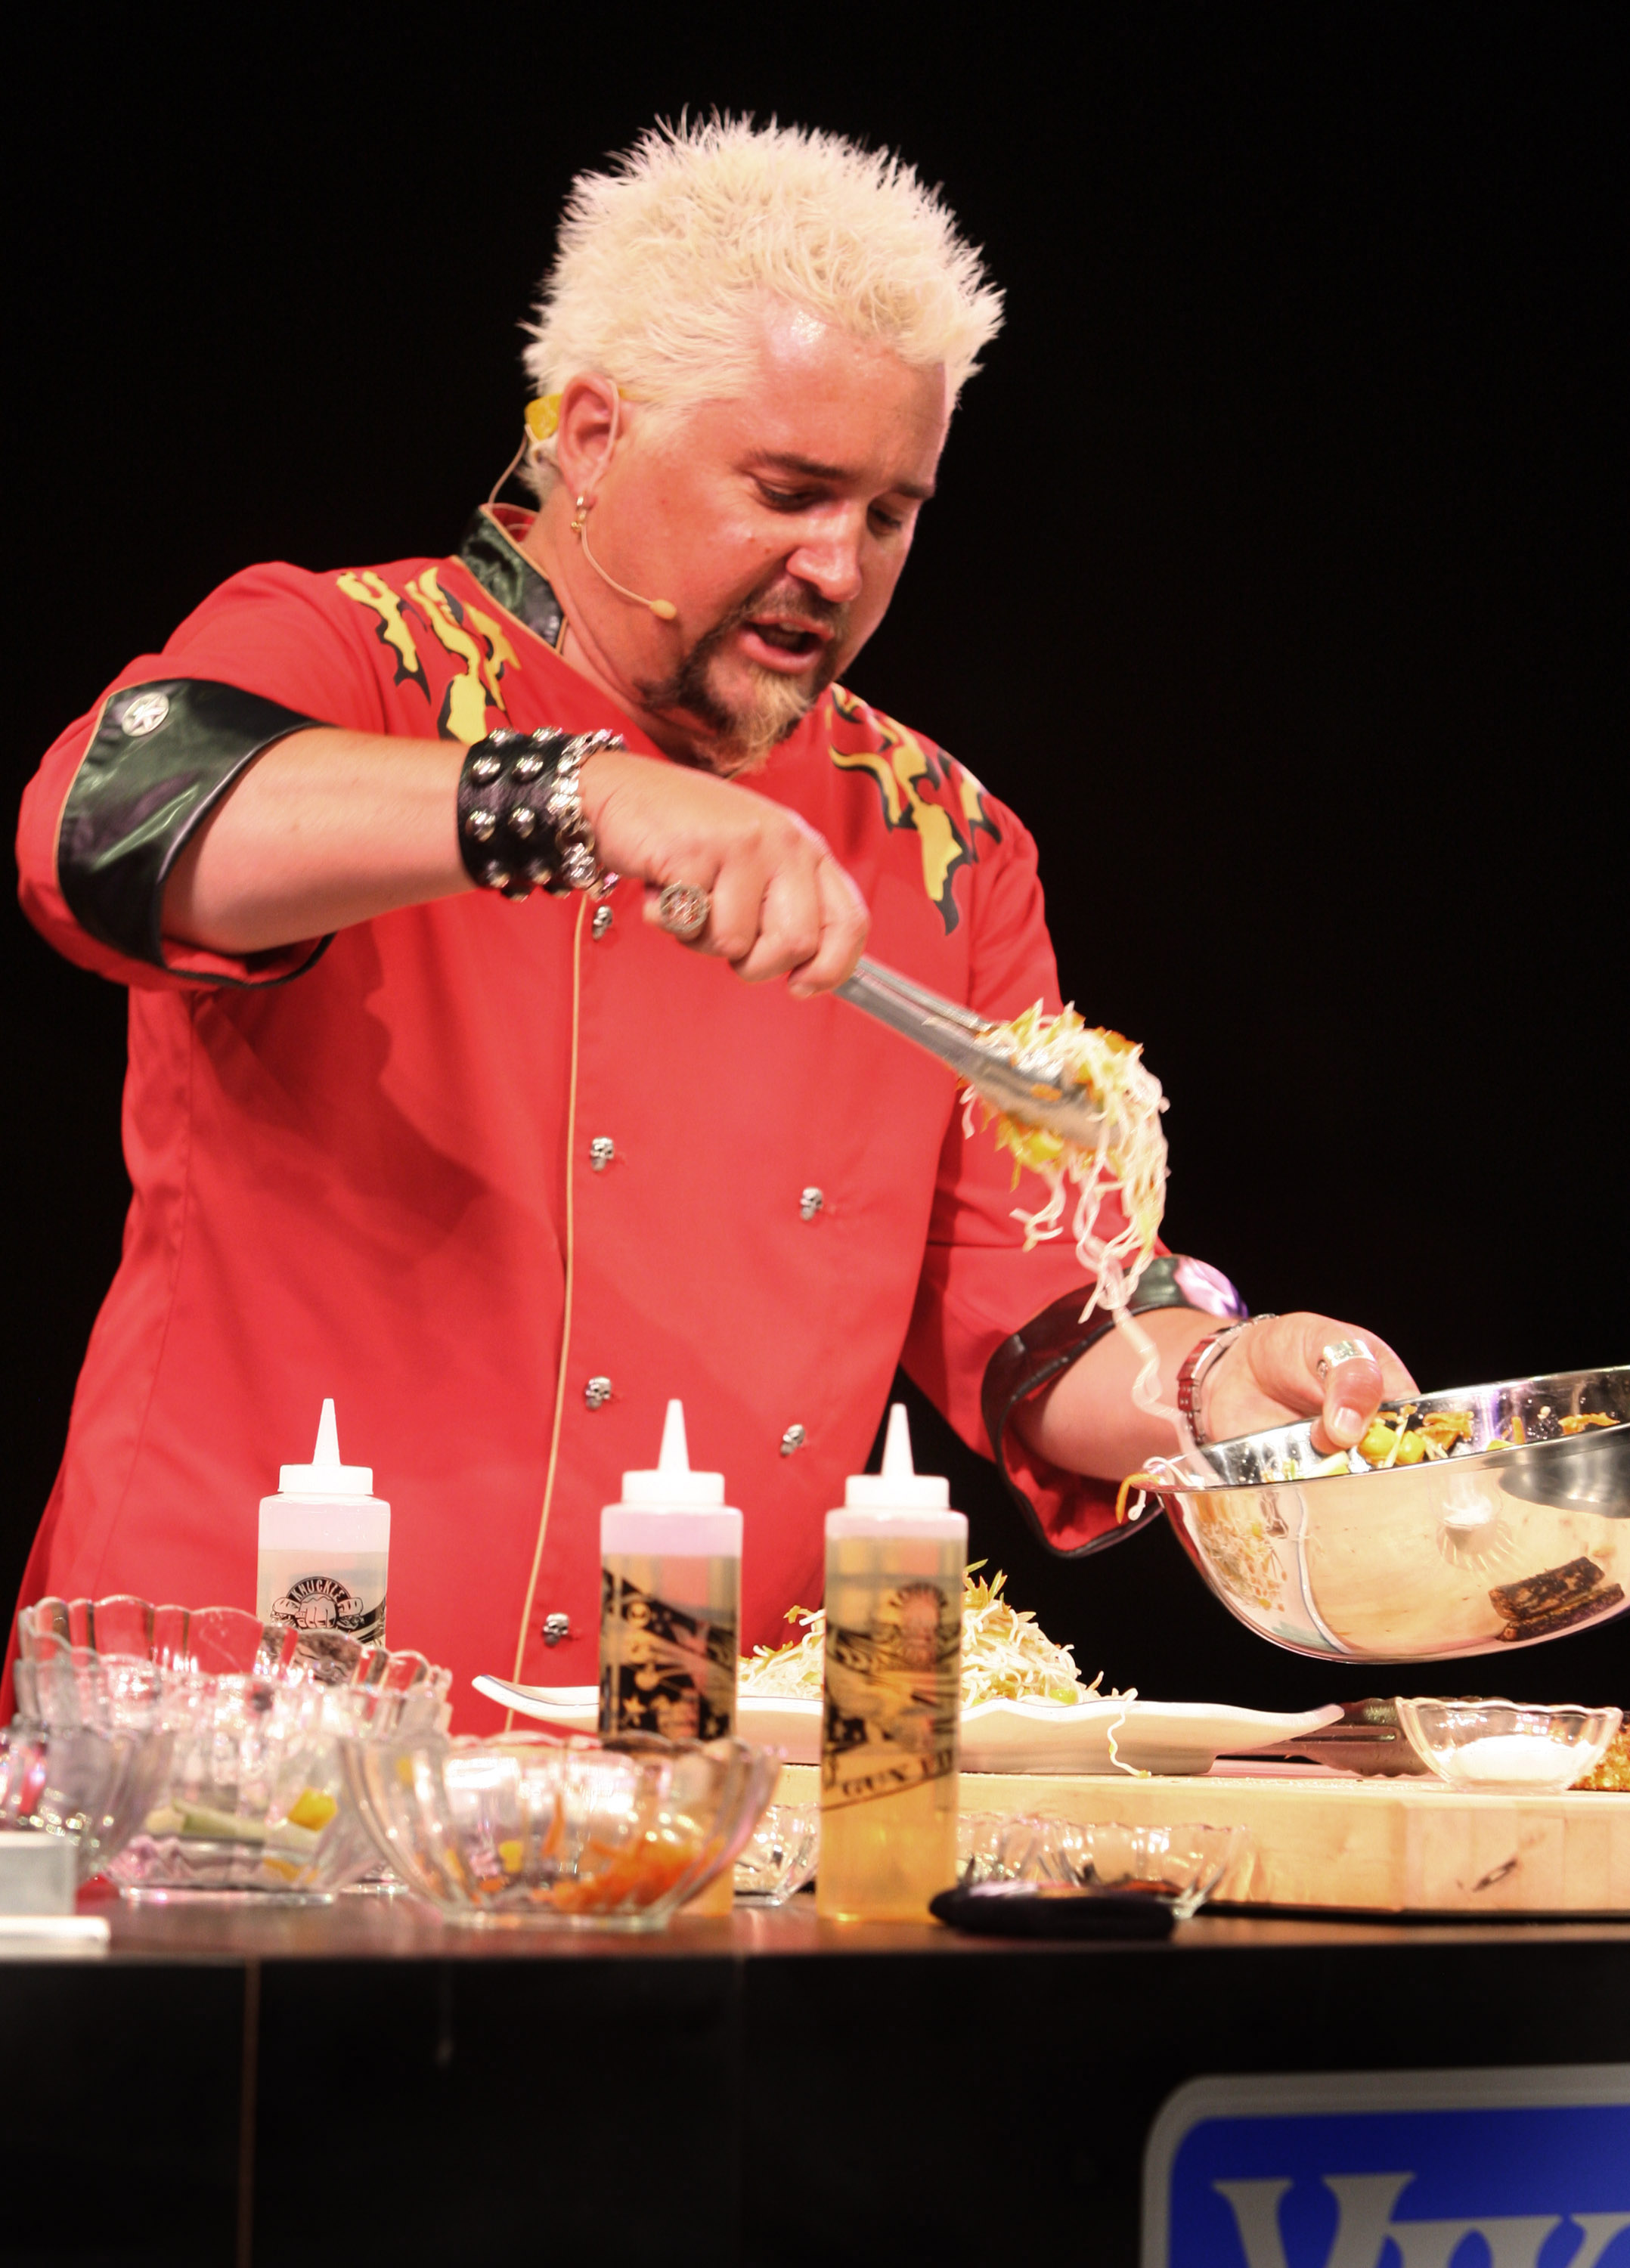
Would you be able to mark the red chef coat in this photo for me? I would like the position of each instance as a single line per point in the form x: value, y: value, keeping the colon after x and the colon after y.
x: 382, y: 1178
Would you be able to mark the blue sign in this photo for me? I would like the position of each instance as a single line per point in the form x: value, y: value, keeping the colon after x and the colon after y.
x: 1393, y: 2169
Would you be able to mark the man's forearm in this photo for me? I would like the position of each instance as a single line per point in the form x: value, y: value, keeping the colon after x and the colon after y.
x: 326, y: 829
x: 1088, y: 1422
x: 1282, y: 1368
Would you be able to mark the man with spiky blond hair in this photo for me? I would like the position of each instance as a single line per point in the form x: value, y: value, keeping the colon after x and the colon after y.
x: 421, y: 875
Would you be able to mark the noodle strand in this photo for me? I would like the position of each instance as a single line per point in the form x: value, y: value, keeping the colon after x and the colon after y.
x: 1128, y: 1161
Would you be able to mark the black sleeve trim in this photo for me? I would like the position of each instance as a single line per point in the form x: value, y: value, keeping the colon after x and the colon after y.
x: 161, y: 758
x: 1043, y: 1348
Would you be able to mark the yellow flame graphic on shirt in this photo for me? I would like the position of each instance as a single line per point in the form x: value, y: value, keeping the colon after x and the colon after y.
x: 371, y: 590
x: 904, y: 768
x: 474, y: 638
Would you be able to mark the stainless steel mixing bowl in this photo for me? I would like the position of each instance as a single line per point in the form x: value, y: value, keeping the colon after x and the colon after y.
x: 1490, y: 1548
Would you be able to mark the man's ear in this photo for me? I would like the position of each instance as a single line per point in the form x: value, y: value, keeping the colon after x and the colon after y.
x: 588, y: 423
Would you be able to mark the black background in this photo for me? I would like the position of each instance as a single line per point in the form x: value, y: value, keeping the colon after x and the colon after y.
x: 1276, y: 577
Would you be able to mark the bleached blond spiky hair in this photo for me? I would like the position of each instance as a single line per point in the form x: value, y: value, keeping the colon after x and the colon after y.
x: 661, y: 258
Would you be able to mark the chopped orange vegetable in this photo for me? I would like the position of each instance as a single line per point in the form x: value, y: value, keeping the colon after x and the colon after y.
x: 638, y: 1877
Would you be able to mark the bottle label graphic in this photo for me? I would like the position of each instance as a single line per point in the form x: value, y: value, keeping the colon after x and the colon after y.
x: 892, y: 1692
x: 664, y: 1669
x: 324, y: 1603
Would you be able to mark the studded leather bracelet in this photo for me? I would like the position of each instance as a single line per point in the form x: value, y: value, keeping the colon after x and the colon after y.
x: 520, y: 812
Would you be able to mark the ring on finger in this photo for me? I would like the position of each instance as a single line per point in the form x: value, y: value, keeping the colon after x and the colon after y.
x: 682, y: 911
x: 1337, y: 1350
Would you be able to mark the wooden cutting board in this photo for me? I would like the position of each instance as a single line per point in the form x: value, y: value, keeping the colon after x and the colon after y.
x: 1391, y: 1845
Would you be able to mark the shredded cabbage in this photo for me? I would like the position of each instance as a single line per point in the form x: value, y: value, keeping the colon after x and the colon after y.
x: 1129, y: 1161
x: 1006, y: 1656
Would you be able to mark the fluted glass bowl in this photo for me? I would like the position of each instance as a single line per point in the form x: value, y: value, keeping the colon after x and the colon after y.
x: 252, y: 1797
x: 1511, y: 1747
x: 1181, y: 1867
x: 780, y: 1855
x: 981, y: 1840
x: 530, y: 1829
x: 95, y: 1787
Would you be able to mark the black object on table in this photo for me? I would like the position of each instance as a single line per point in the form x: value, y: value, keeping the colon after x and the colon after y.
x: 1052, y: 1910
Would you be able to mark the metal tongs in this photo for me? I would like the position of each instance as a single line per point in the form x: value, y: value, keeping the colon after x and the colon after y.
x: 1035, y: 1087
x: 1367, y: 1737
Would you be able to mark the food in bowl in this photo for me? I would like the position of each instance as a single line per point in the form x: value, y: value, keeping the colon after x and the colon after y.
x: 1414, y: 1436
x: 1408, y: 1435
x: 529, y: 1828
x: 252, y: 1796
x: 1513, y: 1748
x: 1612, y: 1775
x: 1463, y: 1543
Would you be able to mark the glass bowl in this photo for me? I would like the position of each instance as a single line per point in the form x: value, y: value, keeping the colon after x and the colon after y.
x: 981, y: 1838
x: 530, y: 1828
x: 1513, y: 1748
x: 252, y: 1797
x: 1180, y: 1867
x: 94, y: 1786
x: 780, y: 1854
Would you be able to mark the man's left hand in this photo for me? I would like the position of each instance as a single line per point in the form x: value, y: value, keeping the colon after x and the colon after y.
x: 1288, y: 1366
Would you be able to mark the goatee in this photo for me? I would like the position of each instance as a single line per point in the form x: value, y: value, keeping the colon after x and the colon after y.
x: 736, y: 736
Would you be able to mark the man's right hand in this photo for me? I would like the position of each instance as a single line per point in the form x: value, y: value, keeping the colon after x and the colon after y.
x: 781, y: 904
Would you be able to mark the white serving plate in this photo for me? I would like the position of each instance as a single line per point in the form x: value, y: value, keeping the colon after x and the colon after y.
x: 998, y: 1736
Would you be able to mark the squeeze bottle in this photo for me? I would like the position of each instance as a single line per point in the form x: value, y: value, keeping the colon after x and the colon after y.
x: 891, y: 1691
x: 325, y: 1544
x: 670, y: 1600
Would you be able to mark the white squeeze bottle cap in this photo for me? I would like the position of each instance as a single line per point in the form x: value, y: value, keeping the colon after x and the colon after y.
x: 672, y: 1510
x: 326, y: 1476
x: 673, y: 1484
x: 899, y: 1487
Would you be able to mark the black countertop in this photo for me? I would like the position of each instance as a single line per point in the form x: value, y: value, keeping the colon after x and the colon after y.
x: 241, y: 2085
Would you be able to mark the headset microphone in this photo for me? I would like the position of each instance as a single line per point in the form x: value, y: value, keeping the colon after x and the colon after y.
x: 543, y: 423
x: 664, y: 609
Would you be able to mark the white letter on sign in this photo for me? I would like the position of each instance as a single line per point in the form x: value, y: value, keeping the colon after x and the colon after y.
x: 1364, y: 2204
x: 1513, y: 2239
